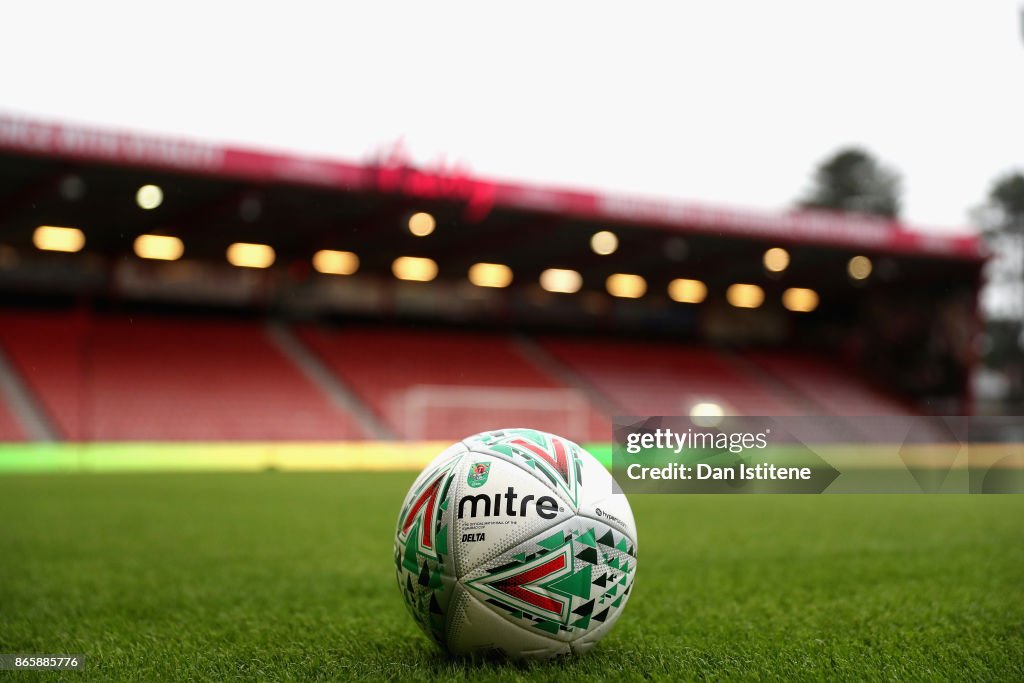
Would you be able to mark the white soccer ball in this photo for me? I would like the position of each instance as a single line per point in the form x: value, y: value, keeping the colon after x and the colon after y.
x: 513, y: 541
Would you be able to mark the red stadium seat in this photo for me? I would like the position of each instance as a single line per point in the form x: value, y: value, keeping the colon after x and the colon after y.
x: 118, y: 378
x: 446, y: 385
x: 835, y: 390
x: 110, y: 377
x: 668, y: 379
x: 10, y: 430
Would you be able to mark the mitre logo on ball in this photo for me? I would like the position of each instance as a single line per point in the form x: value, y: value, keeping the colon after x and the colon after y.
x: 514, y: 541
x: 545, y: 506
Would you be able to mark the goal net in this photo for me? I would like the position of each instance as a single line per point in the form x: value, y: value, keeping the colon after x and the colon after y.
x: 446, y: 412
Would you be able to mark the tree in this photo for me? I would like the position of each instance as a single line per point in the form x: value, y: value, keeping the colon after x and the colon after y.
x: 853, y: 180
x: 1001, y: 218
x: 1007, y: 195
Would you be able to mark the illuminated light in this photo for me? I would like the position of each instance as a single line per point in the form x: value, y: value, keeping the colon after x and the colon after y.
x: 561, y: 280
x: 159, y: 247
x: 776, y: 259
x: 490, y: 275
x: 626, y: 286
x: 54, y: 238
x: 706, y: 414
x: 149, y: 197
x: 687, y: 291
x: 744, y: 296
x: 859, y: 267
x: 335, y: 262
x: 247, y: 255
x: 800, y: 300
x: 604, y: 242
x: 414, y: 268
x: 421, y: 224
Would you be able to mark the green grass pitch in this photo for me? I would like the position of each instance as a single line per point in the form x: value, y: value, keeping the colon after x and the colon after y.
x: 283, y: 576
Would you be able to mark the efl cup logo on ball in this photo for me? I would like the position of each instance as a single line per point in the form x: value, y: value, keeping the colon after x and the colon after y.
x: 478, y: 474
x: 513, y: 541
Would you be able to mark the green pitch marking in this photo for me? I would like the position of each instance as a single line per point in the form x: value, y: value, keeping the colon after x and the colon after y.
x: 226, y: 457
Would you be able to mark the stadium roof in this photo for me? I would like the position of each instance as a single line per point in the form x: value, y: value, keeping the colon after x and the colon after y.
x: 475, y: 198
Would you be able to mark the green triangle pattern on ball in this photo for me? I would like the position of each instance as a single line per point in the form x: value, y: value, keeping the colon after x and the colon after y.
x: 577, y: 583
x: 582, y: 622
x: 553, y: 541
x: 442, y: 540
x: 587, y: 538
x: 549, y: 626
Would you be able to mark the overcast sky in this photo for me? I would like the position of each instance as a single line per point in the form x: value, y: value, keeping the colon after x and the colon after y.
x: 731, y: 102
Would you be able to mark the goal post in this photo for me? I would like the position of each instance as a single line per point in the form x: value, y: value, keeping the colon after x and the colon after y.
x: 438, y: 411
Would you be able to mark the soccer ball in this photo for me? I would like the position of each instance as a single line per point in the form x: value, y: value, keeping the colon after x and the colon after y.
x: 513, y: 542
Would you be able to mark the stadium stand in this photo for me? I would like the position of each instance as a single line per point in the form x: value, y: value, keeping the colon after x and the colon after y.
x: 667, y: 379
x: 42, y: 348
x: 472, y: 382
x: 117, y: 378
x: 100, y: 376
x: 10, y: 430
x: 832, y: 388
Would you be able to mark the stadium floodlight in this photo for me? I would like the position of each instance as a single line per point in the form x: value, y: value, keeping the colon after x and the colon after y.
x: 490, y: 275
x: 604, y: 242
x: 421, y: 224
x: 414, y: 268
x: 247, y: 255
x: 149, y: 197
x: 859, y: 267
x: 56, y: 238
x: 743, y: 295
x: 561, y: 280
x: 800, y: 299
x: 159, y: 247
x: 626, y: 286
x: 333, y: 262
x: 687, y: 291
x: 776, y: 259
